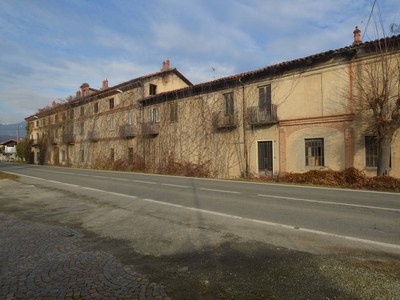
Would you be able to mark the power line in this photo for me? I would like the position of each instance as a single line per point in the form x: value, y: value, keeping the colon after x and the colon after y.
x: 370, y: 15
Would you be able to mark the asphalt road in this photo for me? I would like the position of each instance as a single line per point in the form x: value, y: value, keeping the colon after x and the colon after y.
x: 356, y: 218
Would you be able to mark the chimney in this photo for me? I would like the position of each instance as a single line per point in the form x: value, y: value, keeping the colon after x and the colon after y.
x: 78, y: 94
x: 105, y: 84
x: 85, y: 89
x: 53, y: 103
x: 165, y: 64
x: 357, y: 36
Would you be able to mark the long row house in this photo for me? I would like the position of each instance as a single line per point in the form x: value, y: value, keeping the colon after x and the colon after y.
x: 293, y: 116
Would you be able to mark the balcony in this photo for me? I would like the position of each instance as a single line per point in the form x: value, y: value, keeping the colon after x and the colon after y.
x: 257, y: 116
x: 54, y: 140
x: 94, y: 136
x: 128, y: 131
x: 222, y: 121
x: 35, y: 142
x: 68, y: 138
x: 150, y: 128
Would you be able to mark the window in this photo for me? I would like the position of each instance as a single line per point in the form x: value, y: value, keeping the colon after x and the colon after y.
x: 314, y: 152
x: 112, y: 123
x: 173, y: 117
x: 82, y: 111
x: 371, y: 151
x: 265, y: 99
x: 130, y: 155
x: 155, y: 115
x: 111, y: 102
x: 112, y: 154
x: 82, y: 156
x: 229, y: 104
x: 129, y: 119
x: 96, y: 107
x: 37, y: 123
x: 63, y: 155
x: 82, y: 129
x: 64, y: 116
x: 71, y: 114
x: 153, y: 89
x: 56, y: 118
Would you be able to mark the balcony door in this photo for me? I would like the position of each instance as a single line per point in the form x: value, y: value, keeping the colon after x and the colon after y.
x: 56, y: 156
x: 265, y: 158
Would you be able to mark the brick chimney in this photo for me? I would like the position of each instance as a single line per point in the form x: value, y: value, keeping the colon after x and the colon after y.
x: 85, y: 89
x: 53, y: 103
x: 78, y: 94
x: 166, y: 64
x: 105, y: 84
x: 357, y: 36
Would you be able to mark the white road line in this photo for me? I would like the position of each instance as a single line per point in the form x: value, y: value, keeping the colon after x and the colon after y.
x: 221, y: 191
x: 175, y: 185
x: 78, y: 186
x: 266, y: 184
x: 120, y: 179
x: 112, y: 193
x: 102, y: 177
x: 140, y: 181
x: 330, y: 203
x: 370, y: 242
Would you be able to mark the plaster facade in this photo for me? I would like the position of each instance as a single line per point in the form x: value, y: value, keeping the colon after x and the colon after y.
x: 290, y: 117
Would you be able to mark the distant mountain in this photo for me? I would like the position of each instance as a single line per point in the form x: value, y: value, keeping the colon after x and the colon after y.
x: 10, y: 131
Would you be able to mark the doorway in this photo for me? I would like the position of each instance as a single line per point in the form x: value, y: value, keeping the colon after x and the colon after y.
x: 265, y: 158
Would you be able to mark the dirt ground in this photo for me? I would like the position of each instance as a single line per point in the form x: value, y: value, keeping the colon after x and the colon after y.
x: 229, y: 268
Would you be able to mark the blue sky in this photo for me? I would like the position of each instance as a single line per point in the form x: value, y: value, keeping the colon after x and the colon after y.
x: 50, y: 47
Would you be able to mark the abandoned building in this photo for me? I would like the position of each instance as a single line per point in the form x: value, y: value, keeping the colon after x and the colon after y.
x: 293, y: 116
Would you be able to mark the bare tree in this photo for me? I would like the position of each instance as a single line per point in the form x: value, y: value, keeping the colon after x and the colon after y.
x: 377, y: 96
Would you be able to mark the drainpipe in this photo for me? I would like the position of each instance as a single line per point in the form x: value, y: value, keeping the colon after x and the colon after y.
x: 141, y: 107
x: 246, y: 174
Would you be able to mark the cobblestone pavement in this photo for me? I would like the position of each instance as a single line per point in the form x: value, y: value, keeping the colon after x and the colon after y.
x: 40, y: 261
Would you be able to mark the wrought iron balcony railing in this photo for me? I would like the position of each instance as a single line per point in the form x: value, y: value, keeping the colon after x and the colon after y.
x: 68, y: 138
x: 128, y: 131
x: 93, y: 136
x: 257, y: 116
x: 150, y: 128
x: 222, y: 120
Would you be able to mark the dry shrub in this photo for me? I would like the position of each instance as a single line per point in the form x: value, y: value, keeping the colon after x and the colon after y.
x: 378, y: 183
x: 135, y: 165
x: 349, y: 178
x: 328, y: 177
x: 353, y: 175
x: 184, y: 168
x: 102, y: 164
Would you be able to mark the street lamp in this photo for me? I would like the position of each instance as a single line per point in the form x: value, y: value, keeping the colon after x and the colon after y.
x: 18, y: 133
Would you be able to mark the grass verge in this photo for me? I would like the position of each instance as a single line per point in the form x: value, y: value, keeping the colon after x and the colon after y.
x: 8, y: 176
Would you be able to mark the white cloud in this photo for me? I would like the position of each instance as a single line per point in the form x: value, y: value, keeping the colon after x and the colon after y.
x: 49, y: 48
